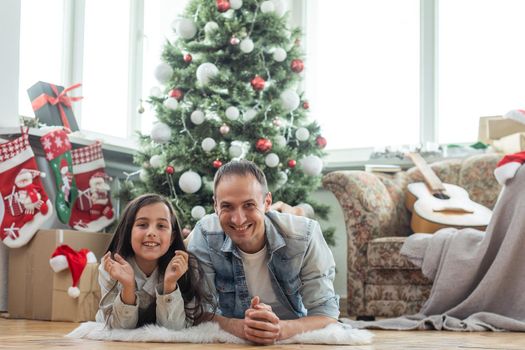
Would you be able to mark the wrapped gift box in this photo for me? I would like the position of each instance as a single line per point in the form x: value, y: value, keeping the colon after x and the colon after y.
x: 52, y: 105
x: 36, y: 292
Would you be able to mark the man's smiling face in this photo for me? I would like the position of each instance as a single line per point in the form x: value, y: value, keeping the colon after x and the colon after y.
x: 241, y: 203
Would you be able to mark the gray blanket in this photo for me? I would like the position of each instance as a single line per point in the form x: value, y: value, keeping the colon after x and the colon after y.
x: 479, y: 278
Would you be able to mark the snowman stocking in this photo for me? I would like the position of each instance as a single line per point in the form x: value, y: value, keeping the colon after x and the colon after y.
x: 24, y: 205
x: 58, y: 152
x: 92, y: 210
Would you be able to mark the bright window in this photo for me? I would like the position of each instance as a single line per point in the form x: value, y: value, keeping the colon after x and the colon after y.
x: 41, y: 37
x: 363, y: 71
x: 362, y: 75
x: 481, y: 63
x: 105, y: 107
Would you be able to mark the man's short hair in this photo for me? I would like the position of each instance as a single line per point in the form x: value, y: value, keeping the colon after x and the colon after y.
x: 241, y: 167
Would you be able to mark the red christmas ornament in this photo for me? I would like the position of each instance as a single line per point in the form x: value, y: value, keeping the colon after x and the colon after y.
x: 292, y: 163
x: 258, y: 83
x: 223, y: 5
x: 187, y: 58
x: 170, y: 170
x: 306, y: 105
x: 176, y: 94
x: 321, y: 141
x: 217, y: 164
x: 263, y: 145
x: 297, y: 65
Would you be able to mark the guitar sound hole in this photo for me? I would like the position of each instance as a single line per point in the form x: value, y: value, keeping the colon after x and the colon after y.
x: 441, y: 196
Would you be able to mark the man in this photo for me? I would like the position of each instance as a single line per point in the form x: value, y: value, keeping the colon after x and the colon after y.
x: 271, y: 272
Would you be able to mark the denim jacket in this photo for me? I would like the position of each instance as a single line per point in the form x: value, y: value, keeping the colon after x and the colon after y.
x: 301, y: 265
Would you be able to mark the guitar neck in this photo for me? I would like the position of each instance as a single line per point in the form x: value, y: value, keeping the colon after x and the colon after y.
x: 433, y: 182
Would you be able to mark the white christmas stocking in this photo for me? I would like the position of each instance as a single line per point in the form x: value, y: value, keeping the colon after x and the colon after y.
x: 92, y: 210
x: 25, y: 205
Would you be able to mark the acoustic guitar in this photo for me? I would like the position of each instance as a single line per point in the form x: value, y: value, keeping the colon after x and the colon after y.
x: 436, y: 205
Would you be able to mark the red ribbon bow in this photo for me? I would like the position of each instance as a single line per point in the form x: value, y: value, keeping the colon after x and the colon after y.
x: 59, y: 100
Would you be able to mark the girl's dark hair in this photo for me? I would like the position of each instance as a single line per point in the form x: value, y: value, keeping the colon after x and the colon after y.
x: 192, y: 284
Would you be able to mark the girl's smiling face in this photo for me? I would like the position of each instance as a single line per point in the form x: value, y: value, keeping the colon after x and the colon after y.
x: 151, y: 235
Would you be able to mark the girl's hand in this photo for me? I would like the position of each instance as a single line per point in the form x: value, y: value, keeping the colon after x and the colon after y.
x: 119, y: 269
x: 175, y: 269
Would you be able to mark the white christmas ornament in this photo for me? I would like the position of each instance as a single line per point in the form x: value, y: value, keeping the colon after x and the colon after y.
x: 161, y: 133
x: 290, y: 100
x: 235, y: 150
x: 279, y: 54
x: 155, y: 92
x: 185, y: 28
x: 205, y: 72
x: 155, y: 161
x: 280, y: 141
x: 282, y: 179
x: 246, y: 45
x: 267, y: 6
x: 302, y: 134
x: 279, y: 7
x: 272, y: 160
x: 190, y: 182
x: 197, y: 117
x: 143, y: 175
x: 232, y: 113
x: 249, y: 114
x: 210, y: 27
x: 208, y: 144
x: 312, y: 165
x: 235, y: 4
x: 197, y: 212
x: 171, y: 103
x: 163, y: 72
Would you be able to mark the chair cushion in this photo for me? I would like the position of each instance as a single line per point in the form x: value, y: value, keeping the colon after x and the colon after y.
x: 383, y: 253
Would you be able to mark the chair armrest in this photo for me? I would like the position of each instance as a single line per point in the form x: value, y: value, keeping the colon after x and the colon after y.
x: 368, y: 206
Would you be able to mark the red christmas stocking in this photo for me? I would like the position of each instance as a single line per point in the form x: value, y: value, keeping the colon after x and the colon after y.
x: 92, y: 210
x: 24, y: 204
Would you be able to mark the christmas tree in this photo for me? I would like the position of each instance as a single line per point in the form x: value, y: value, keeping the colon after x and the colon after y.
x: 229, y: 91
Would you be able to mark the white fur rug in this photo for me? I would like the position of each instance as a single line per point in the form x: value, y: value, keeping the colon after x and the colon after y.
x: 210, y: 332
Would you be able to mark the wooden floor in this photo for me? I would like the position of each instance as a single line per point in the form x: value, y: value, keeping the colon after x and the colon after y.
x: 26, y: 334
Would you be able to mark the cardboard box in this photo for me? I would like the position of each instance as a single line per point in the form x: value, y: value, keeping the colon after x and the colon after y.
x: 483, y: 130
x: 36, y: 292
x: 496, y: 127
x: 510, y: 144
x: 47, y: 112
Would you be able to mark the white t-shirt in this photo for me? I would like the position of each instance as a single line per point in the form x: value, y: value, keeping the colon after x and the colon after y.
x: 259, y: 282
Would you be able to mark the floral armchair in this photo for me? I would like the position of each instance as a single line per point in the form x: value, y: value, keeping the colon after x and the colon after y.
x: 380, y: 281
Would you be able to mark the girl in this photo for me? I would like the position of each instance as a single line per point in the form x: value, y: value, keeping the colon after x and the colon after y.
x: 147, y: 276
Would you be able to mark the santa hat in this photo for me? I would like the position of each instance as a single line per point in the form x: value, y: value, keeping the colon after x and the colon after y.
x: 65, y: 257
x: 63, y: 165
x: 516, y: 114
x: 31, y: 172
x: 102, y: 175
x: 508, y: 166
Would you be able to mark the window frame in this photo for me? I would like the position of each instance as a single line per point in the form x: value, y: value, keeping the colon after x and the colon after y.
x: 340, y: 158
